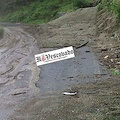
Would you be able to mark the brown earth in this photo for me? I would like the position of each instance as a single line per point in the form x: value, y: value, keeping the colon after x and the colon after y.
x: 74, y: 29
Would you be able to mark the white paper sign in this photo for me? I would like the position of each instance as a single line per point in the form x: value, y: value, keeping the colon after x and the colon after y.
x: 54, y: 56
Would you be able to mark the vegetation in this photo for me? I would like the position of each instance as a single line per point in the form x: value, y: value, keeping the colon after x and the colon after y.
x: 115, y: 72
x: 1, y: 31
x: 38, y: 11
x: 112, y: 5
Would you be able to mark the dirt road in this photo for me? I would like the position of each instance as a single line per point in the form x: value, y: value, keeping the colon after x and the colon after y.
x: 18, y: 71
x: 21, y: 79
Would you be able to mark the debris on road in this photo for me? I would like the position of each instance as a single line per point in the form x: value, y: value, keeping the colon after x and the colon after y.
x: 70, y: 93
x: 87, y: 51
x: 81, y: 29
x: 19, y: 91
x: 106, y: 57
x: 104, y: 49
x: 111, y: 60
x: 81, y: 45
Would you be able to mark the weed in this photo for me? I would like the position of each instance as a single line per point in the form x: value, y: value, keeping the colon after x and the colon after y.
x: 112, y: 5
x: 1, y: 32
x: 115, y: 72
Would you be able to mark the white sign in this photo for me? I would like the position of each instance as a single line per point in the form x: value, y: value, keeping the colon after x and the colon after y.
x: 54, y: 56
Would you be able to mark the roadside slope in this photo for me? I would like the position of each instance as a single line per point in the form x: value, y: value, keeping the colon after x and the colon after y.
x: 75, y: 28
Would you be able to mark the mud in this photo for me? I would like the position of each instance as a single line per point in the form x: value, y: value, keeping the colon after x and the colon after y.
x: 21, y: 79
x: 18, y: 69
x: 28, y: 92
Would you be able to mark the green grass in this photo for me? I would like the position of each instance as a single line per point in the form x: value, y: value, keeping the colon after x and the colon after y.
x: 37, y: 12
x: 115, y: 72
x: 112, y: 5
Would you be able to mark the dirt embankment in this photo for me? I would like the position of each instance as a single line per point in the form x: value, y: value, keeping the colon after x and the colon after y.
x: 108, y: 39
x: 74, y: 29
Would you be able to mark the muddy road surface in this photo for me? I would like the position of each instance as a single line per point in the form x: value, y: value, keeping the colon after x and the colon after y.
x: 63, y: 75
x: 18, y: 71
x: 21, y: 80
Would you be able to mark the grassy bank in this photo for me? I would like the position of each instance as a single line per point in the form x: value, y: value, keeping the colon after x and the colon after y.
x: 112, y: 5
x: 36, y: 12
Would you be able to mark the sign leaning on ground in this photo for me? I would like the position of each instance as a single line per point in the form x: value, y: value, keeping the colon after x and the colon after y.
x: 54, y: 56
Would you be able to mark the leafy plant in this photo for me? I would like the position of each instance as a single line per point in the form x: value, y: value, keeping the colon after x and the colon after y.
x: 115, y: 72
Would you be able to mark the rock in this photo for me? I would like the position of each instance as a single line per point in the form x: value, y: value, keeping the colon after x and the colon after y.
x: 81, y: 29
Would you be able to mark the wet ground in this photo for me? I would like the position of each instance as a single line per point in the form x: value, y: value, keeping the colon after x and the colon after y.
x: 18, y: 70
x: 62, y: 75
x: 21, y: 79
